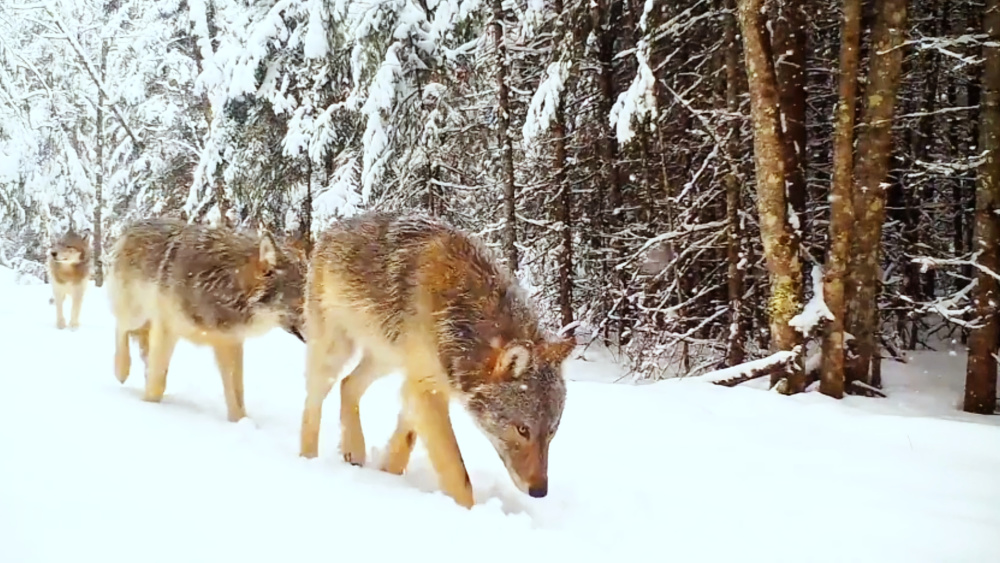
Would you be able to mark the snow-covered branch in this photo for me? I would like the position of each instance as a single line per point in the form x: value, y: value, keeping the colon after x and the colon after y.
x: 740, y: 373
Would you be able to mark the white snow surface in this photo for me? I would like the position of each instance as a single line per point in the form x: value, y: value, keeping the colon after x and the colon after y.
x: 673, y: 471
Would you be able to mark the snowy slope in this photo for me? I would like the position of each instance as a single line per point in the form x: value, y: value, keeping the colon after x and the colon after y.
x: 677, y: 471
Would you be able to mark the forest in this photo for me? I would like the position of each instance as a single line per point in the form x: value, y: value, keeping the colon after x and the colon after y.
x: 795, y: 189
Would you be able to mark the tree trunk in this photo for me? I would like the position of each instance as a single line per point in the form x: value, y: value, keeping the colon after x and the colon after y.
x: 98, y: 237
x: 503, y: 134
x: 920, y: 231
x: 736, y: 343
x: 606, y: 17
x: 204, y: 47
x: 981, y: 373
x: 790, y: 67
x: 871, y: 171
x: 841, y: 211
x: 564, y: 207
x: 305, y: 219
x: 968, y: 180
x: 780, y: 244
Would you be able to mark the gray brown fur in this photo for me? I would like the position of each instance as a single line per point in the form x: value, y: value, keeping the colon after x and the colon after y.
x: 69, y: 266
x: 213, y: 286
x: 418, y: 294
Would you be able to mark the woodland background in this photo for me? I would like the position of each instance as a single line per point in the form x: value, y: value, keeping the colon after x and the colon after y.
x: 675, y: 180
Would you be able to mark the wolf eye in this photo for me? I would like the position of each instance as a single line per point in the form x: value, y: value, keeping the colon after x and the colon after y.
x: 523, y: 431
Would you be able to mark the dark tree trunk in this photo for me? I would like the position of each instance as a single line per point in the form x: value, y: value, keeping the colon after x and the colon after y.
x: 981, y: 374
x: 305, y: 219
x: 790, y: 67
x: 870, y: 172
x: 606, y: 17
x: 564, y: 207
x: 503, y: 137
x: 736, y: 343
x: 98, y: 238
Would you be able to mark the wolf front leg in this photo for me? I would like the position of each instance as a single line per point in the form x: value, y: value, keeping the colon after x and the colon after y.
x: 141, y: 336
x: 76, y: 295
x: 229, y: 357
x: 327, y: 350
x: 432, y: 423
x: 401, y: 443
x: 59, y: 297
x: 123, y: 361
x: 352, y: 387
x: 161, y: 347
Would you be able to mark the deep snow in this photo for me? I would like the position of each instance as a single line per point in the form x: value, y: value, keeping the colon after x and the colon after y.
x: 673, y: 471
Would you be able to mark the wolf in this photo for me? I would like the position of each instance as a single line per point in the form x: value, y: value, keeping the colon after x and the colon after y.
x: 69, y: 266
x: 416, y: 294
x: 169, y: 279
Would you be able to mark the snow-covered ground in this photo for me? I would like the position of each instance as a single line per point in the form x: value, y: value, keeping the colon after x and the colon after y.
x: 674, y: 471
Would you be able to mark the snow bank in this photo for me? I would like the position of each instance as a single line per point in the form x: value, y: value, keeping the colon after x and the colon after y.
x: 659, y: 472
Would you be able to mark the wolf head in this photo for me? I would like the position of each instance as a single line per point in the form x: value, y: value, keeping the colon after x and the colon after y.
x: 70, y: 249
x: 282, y: 283
x: 519, y: 405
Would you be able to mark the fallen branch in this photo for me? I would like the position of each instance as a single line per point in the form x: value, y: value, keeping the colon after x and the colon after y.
x: 862, y: 388
x: 741, y: 373
x: 894, y: 351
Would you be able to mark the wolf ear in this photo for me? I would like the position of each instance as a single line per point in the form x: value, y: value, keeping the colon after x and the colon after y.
x: 86, y: 237
x: 268, y: 258
x: 511, y: 360
x: 556, y: 351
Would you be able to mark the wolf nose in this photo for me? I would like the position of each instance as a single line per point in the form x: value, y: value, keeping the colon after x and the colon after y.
x: 53, y: 253
x: 539, y: 491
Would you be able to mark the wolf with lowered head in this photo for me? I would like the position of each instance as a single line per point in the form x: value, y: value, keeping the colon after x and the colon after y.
x: 418, y: 295
x: 69, y: 266
x: 211, y: 286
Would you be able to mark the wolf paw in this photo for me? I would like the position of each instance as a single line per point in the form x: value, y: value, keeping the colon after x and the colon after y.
x: 356, y: 459
x: 236, y: 416
x: 122, y: 370
x: 60, y: 324
x: 153, y: 395
x: 352, y: 446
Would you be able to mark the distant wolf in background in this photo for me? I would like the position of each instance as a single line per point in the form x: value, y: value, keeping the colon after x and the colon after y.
x: 419, y: 295
x: 69, y: 265
x: 211, y: 286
